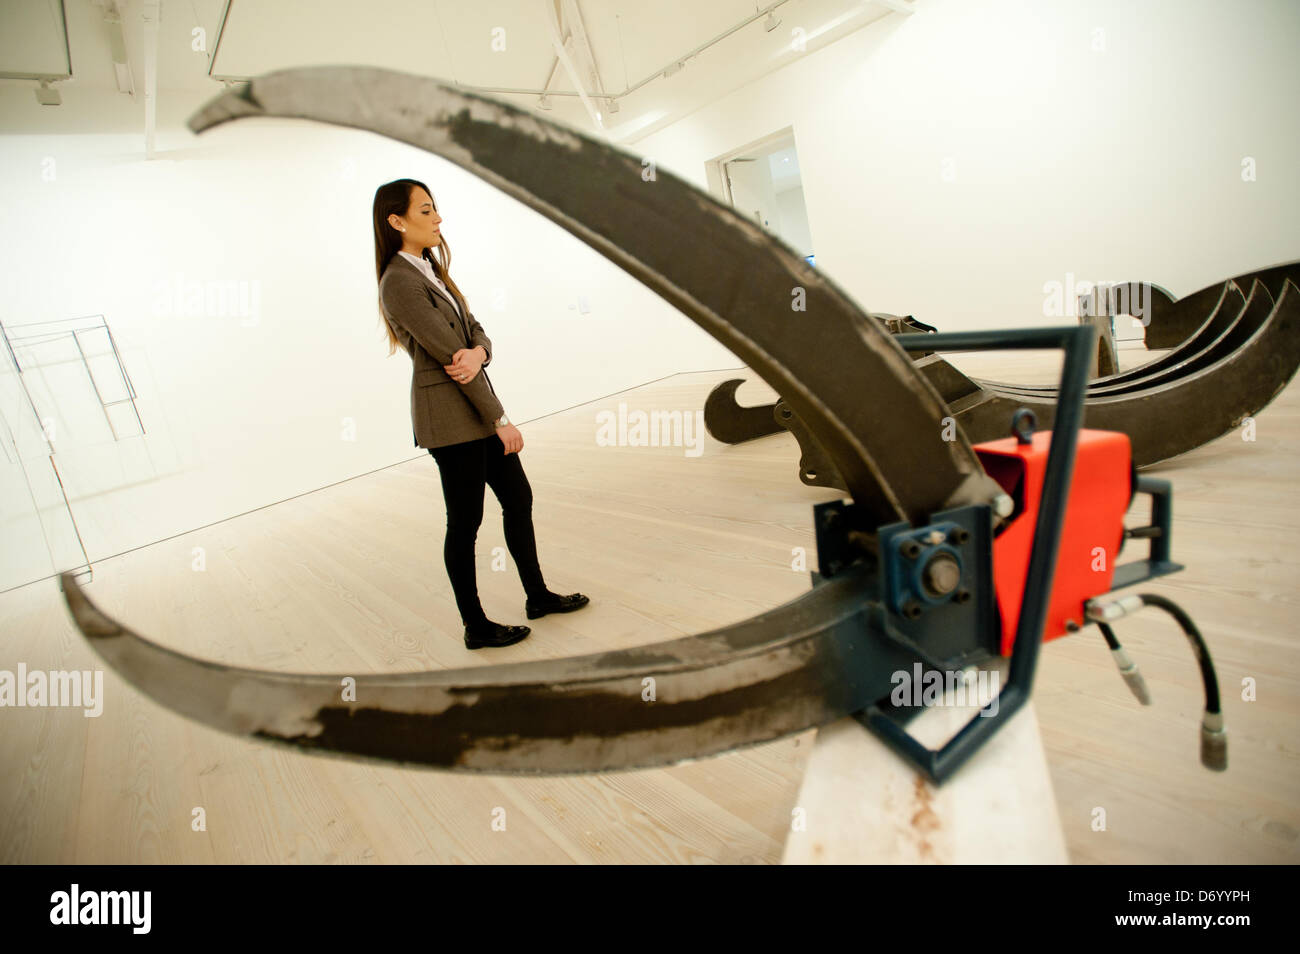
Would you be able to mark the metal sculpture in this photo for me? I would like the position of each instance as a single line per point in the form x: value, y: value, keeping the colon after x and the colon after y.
x: 1243, y: 350
x: 905, y: 573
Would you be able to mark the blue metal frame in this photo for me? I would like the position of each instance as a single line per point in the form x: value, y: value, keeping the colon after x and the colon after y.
x: 1077, y: 342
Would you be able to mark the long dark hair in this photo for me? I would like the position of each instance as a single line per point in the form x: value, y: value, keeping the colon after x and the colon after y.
x: 394, y: 198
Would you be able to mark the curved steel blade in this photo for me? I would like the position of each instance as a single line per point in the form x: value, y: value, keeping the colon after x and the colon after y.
x: 1199, y: 405
x: 1167, y: 418
x: 1220, y: 339
x: 1226, y: 306
x: 1219, y: 308
x: 1173, y: 321
x: 1216, y: 307
x: 1238, y: 360
x: 1227, y: 328
x: 794, y: 667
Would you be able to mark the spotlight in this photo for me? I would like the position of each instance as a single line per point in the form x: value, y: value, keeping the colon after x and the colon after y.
x: 47, y: 95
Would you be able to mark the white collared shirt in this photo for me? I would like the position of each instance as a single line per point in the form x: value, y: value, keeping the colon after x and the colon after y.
x: 423, y: 265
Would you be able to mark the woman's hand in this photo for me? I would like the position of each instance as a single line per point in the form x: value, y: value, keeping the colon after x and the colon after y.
x: 465, y: 364
x: 511, y: 438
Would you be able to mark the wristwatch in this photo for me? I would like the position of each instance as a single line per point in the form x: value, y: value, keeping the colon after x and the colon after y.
x: 502, y: 421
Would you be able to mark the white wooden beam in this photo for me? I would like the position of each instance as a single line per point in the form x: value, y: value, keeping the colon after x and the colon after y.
x: 149, y: 16
x: 862, y: 804
x: 584, y: 55
x: 117, y: 46
x: 555, y: 21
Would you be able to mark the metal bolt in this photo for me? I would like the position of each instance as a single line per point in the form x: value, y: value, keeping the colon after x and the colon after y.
x: 941, y: 575
x: 1071, y: 626
x: 960, y: 535
x: 912, y: 609
x: 963, y: 596
x: 910, y: 549
x: 863, y: 541
x: 1003, y: 505
x: 935, y: 537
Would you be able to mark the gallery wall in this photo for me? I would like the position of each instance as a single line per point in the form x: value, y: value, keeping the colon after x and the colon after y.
x: 237, y: 274
x: 957, y: 160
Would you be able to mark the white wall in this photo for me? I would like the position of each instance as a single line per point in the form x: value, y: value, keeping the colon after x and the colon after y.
x: 242, y: 410
x: 1121, y: 164
x: 1118, y: 164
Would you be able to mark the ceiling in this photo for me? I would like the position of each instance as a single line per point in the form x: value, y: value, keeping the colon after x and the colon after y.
x: 616, y: 51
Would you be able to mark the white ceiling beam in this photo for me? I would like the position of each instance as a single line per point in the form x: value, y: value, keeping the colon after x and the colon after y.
x: 122, y: 73
x: 543, y: 100
x: 585, y: 55
x: 555, y: 20
x: 149, y: 14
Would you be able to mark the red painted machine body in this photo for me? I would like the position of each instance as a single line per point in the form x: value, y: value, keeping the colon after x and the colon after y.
x: 1100, y: 492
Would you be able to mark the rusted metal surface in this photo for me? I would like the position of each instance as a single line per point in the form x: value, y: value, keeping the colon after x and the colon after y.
x: 1174, y: 320
x: 730, y: 421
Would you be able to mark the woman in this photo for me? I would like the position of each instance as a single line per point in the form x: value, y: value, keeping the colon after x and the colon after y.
x: 454, y: 411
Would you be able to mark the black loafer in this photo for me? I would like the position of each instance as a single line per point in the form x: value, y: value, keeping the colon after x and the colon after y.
x: 562, y: 604
x: 500, y: 636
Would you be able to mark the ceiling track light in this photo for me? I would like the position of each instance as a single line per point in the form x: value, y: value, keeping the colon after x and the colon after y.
x: 47, y: 95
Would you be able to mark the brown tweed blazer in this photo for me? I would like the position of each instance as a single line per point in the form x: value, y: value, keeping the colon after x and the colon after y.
x: 443, y: 411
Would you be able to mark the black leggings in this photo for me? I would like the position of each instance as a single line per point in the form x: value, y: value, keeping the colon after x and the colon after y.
x: 464, y: 469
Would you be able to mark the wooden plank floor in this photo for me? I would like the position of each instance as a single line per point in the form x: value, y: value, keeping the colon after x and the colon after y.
x: 350, y: 579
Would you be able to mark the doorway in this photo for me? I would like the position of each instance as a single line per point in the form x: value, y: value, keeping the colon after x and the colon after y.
x: 762, y: 181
